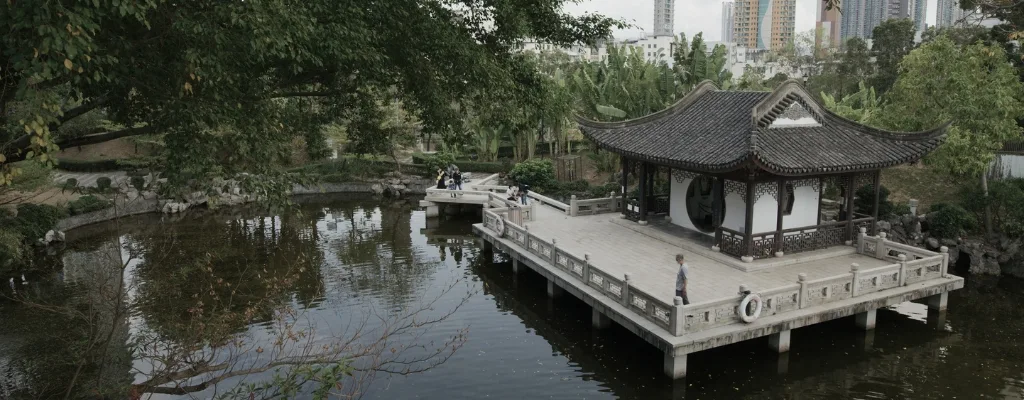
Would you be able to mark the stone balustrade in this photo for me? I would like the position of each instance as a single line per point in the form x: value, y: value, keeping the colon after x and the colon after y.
x: 610, y: 204
x: 912, y: 266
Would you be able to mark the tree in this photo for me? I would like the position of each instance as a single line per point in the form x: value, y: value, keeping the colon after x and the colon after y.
x: 972, y: 86
x: 220, y: 80
x: 893, y: 39
x: 860, y: 106
x: 382, y: 126
x: 752, y: 79
x: 695, y: 65
x: 625, y: 86
x: 843, y: 74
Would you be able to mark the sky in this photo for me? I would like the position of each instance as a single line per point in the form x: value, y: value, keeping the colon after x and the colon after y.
x: 692, y: 16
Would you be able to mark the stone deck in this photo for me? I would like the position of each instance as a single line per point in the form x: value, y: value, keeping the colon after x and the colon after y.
x: 649, y: 257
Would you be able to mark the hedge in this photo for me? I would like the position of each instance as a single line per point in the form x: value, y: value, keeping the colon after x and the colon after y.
x: 471, y: 166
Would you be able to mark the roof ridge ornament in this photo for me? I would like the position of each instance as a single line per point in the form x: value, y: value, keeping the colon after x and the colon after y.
x: 789, y: 92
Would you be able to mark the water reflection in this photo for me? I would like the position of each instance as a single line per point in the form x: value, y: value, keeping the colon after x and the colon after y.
x: 202, y: 304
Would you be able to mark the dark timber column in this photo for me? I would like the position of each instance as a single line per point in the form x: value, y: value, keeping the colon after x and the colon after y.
x: 849, y: 205
x: 717, y: 205
x: 748, y: 228
x: 874, y: 212
x: 778, y: 217
x: 643, y: 193
x: 625, y: 185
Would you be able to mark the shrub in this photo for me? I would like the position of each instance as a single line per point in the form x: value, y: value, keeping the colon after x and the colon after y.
x: 439, y: 161
x: 71, y: 184
x: 87, y: 204
x: 12, y: 249
x: 103, y: 183
x: 949, y: 221
x: 88, y: 166
x: 864, y: 202
x: 34, y: 220
x: 138, y: 182
x: 1005, y: 200
x: 538, y: 173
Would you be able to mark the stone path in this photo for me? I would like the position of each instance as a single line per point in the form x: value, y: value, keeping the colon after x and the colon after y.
x: 651, y: 265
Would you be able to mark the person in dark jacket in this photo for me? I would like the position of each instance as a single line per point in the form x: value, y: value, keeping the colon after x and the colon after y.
x: 524, y: 189
x: 457, y: 176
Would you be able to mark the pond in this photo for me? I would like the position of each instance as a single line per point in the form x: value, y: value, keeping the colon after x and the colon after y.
x: 228, y: 303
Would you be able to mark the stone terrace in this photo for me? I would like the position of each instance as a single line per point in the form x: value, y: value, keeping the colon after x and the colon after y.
x: 648, y: 256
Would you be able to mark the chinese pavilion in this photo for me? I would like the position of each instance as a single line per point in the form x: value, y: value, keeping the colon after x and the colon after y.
x: 752, y: 169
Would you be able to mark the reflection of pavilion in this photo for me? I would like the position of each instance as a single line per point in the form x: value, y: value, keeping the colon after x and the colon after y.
x: 751, y: 168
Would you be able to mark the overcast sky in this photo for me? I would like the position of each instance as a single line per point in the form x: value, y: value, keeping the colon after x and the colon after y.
x: 693, y: 16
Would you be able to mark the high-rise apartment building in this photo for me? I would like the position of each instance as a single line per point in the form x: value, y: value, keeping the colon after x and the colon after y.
x: 827, y: 29
x: 764, y: 24
x: 664, y: 18
x: 727, y: 21
x: 860, y: 17
x: 949, y: 13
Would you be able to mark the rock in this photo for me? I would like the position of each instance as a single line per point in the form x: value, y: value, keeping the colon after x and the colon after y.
x: 883, y: 226
x: 1012, y: 249
x: 173, y: 207
x: 932, y: 243
x: 132, y: 194
x: 908, y: 220
x: 53, y: 236
x: 377, y: 189
x: 949, y: 242
x: 915, y: 228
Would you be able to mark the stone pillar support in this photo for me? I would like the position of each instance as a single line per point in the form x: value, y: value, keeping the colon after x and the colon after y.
x: 938, y: 302
x: 779, y: 341
x: 675, y: 365
x: 866, y: 320
x: 553, y: 289
x: 599, y: 320
x: 516, y: 267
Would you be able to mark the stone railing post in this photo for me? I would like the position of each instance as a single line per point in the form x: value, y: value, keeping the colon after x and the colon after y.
x: 574, y: 209
x: 625, y: 290
x: 802, y: 280
x: 903, y: 269
x: 526, y: 238
x: 855, y: 287
x: 586, y: 268
x: 880, y: 246
x: 554, y: 252
x: 676, y: 320
x: 944, y: 269
x: 860, y: 239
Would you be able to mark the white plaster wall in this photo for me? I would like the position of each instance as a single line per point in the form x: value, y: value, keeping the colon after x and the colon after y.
x: 805, y: 211
x: 1008, y: 166
x: 735, y: 210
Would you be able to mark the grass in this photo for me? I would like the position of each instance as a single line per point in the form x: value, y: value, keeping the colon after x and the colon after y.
x: 927, y: 185
x: 33, y: 176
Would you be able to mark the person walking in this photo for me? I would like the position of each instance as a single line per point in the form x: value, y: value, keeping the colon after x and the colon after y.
x: 682, y: 278
x: 457, y: 176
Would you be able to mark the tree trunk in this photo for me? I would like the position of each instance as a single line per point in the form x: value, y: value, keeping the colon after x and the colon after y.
x: 988, y: 208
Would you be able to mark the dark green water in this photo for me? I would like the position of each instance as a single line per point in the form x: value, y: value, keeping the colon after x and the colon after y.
x: 199, y: 302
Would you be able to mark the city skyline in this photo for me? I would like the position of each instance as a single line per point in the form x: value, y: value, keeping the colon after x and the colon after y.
x: 691, y: 17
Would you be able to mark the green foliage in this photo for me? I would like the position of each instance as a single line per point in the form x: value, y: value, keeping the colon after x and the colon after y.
x: 845, y: 74
x: 1005, y: 200
x: 103, y: 183
x: 231, y: 91
x: 31, y: 176
x: 538, y: 173
x: 604, y: 161
x: 88, y: 166
x: 860, y: 106
x: 581, y: 189
x: 892, y: 40
x: 625, y: 86
x: 972, y: 86
x: 695, y: 65
x: 949, y: 221
x: 864, y: 201
x: 34, y: 220
x: 138, y: 182
x: 87, y: 204
x: 438, y: 161
x: 71, y: 184
x: 12, y: 248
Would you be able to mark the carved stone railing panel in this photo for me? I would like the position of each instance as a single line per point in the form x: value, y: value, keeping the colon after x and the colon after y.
x: 828, y: 290
x: 780, y: 300
x: 878, y: 279
x: 698, y: 317
x: 924, y: 269
x: 814, y: 238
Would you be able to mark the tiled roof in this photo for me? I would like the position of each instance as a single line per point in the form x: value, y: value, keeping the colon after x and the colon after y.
x: 717, y: 131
